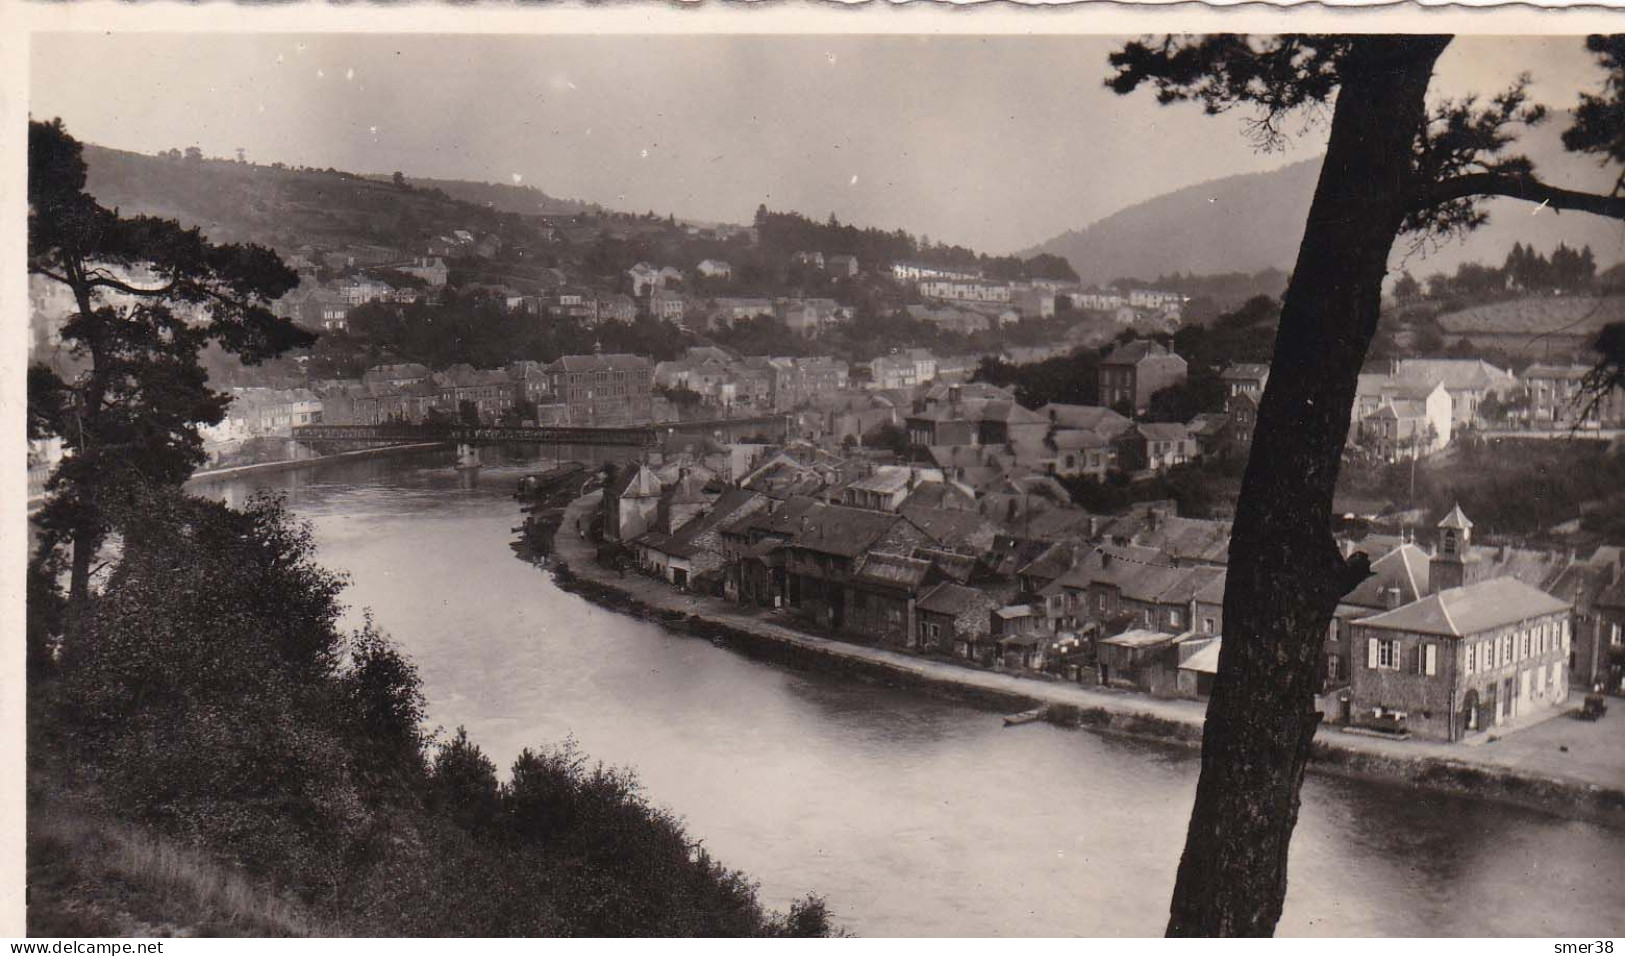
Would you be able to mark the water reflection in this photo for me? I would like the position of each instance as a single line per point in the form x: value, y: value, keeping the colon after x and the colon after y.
x: 914, y: 815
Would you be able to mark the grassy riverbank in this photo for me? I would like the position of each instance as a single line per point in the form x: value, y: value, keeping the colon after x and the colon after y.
x: 1529, y: 768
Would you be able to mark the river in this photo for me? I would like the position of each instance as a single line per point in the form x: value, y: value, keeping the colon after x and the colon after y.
x: 913, y: 816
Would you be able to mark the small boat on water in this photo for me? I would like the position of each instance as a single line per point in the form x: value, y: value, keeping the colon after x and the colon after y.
x: 1026, y: 717
x: 543, y: 482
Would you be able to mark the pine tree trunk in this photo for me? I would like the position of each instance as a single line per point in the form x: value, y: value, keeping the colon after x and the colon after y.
x: 1285, y: 572
x: 84, y: 544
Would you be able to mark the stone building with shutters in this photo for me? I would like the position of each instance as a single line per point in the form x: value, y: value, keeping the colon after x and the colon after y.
x: 1473, y: 654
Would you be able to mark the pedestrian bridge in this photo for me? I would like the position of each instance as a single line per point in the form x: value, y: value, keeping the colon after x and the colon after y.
x: 636, y: 436
x: 774, y: 427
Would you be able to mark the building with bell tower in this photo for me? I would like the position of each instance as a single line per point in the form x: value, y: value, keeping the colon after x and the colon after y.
x: 1454, y: 565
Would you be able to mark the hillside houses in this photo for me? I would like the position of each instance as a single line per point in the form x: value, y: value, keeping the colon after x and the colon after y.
x: 1134, y: 371
x: 1557, y: 399
x: 1468, y: 382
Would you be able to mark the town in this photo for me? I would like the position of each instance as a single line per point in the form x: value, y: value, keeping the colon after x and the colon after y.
x: 908, y: 500
x: 423, y: 552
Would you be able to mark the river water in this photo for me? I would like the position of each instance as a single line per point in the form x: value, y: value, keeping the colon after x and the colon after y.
x: 912, y: 816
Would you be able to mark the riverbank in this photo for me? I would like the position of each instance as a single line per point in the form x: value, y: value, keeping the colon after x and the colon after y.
x: 1552, y: 767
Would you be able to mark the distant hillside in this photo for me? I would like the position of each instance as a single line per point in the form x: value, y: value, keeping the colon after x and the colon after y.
x: 278, y: 206
x: 1237, y: 224
x: 1252, y: 222
x: 525, y: 200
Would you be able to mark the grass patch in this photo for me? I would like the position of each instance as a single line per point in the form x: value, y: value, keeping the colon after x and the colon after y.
x: 89, y: 876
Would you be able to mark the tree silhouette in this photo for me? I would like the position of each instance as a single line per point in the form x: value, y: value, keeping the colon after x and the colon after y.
x: 1394, y: 164
x: 148, y: 296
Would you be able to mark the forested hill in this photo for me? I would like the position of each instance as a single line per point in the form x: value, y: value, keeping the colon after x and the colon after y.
x: 525, y: 200
x: 1237, y: 224
x: 1254, y: 222
x: 277, y: 205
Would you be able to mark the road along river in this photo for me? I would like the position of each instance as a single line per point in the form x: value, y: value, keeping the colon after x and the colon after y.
x: 912, y: 815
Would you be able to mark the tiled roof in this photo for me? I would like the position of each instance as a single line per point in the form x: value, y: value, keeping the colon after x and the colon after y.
x: 1164, y: 431
x: 598, y: 363
x: 1455, y: 519
x: 947, y: 527
x: 1056, y: 560
x: 1131, y: 352
x: 1204, y: 661
x: 1078, y: 439
x: 1055, y: 522
x: 1455, y: 373
x: 1405, y: 567
x: 1138, y: 638
x: 1469, y: 610
x: 893, y: 570
x: 634, y: 482
x: 1092, y: 417
x: 951, y: 564
x: 936, y: 495
x: 841, y: 531
x: 885, y: 480
x: 951, y: 599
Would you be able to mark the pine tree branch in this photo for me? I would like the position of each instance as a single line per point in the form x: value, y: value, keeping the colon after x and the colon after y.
x: 1517, y: 186
x: 41, y: 270
x: 103, y: 279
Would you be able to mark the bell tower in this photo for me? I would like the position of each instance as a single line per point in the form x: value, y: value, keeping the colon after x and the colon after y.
x: 1452, y: 563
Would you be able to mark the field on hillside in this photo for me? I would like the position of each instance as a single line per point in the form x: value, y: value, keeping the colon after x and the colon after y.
x: 1535, y: 326
x: 285, y: 208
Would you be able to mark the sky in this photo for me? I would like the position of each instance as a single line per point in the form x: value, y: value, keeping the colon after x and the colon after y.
x: 997, y: 143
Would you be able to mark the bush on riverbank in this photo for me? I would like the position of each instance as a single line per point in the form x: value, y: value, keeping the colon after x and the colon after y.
x: 215, y: 706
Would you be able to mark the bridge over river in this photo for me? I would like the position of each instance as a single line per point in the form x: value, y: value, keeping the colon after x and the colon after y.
x: 774, y: 428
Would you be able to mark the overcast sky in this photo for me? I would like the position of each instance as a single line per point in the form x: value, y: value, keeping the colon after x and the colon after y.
x: 997, y: 143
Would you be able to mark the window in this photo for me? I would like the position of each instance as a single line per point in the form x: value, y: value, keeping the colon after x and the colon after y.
x: 1615, y: 636
x: 1523, y: 645
x: 1331, y: 667
x: 1471, y: 654
x: 1382, y: 655
x: 1207, y: 628
x: 1427, y: 663
x: 1175, y: 618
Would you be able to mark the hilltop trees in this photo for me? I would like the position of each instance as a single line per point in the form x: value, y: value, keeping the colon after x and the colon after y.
x: 1395, y: 163
x: 149, y: 295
